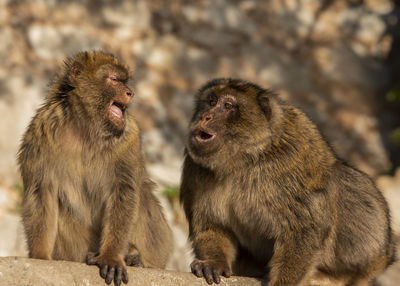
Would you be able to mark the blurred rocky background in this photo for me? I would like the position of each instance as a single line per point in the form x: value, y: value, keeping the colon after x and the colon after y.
x: 338, y: 60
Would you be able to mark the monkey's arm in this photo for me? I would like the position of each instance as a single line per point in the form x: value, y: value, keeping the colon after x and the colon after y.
x: 40, y: 215
x: 214, y: 247
x: 120, y: 214
x: 40, y: 202
x: 215, y: 251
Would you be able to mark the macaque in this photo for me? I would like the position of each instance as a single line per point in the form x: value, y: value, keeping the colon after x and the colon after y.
x: 265, y: 195
x: 87, y: 194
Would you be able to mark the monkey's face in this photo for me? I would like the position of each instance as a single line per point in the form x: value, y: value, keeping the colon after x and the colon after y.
x: 119, y: 97
x: 99, y: 81
x: 228, y: 121
x: 112, y: 98
x: 209, y: 126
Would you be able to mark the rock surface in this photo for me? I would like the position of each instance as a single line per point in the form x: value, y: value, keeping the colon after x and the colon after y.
x: 32, y: 272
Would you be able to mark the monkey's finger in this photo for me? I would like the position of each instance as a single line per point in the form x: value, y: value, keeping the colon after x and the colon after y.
x: 125, y: 275
x: 104, y: 271
x: 227, y: 273
x: 196, y: 269
x: 118, y: 276
x: 208, y: 275
x: 110, y: 275
x: 216, y: 277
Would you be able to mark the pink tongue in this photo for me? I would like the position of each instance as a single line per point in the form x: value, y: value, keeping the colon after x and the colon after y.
x: 116, y: 111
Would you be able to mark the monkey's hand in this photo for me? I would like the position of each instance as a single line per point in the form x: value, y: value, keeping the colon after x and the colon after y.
x: 210, y: 269
x: 111, y: 267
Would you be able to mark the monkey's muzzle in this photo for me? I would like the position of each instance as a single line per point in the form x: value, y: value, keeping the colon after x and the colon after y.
x: 204, y: 136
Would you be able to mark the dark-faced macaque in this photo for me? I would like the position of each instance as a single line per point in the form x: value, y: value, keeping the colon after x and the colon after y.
x: 87, y: 194
x: 265, y: 195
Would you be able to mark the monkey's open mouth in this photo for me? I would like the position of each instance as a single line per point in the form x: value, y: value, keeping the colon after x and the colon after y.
x: 117, y: 109
x: 203, y: 136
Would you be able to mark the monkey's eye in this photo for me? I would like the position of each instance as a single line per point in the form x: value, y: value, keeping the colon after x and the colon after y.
x: 228, y: 105
x: 213, y: 102
x: 113, y: 77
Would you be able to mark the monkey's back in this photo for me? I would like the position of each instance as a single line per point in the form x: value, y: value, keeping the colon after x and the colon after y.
x: 308, y: 185
x: 363, y: 241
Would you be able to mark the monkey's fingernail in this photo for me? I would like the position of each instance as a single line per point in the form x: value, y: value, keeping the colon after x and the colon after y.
x: 216, y: 276
x: 125, y: 276
x: 104, y: 271
x: 196, y: 271
x: 208, y: 275
x: 226, y: 273
x: 110, y: 275
x: 118, y: 277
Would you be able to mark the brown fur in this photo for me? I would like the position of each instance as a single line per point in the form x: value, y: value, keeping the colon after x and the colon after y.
x: 86, y: 189
x: 267, y: 197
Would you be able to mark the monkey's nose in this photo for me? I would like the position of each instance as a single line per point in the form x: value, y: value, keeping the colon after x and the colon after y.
x: 208, y: 117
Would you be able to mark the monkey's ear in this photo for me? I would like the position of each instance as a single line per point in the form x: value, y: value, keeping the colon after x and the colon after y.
x: 265, y: 104
x: 74, y: 70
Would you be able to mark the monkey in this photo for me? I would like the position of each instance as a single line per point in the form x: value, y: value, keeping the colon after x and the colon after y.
x: 87, y: 195
x: 265, y: 195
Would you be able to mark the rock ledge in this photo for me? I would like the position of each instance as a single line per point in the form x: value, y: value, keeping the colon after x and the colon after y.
x: 25, y: 271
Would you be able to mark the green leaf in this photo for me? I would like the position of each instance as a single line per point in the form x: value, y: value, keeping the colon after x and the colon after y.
x: 171, y: 193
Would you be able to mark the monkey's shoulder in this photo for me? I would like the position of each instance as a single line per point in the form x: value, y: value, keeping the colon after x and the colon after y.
x: 36, y: 137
